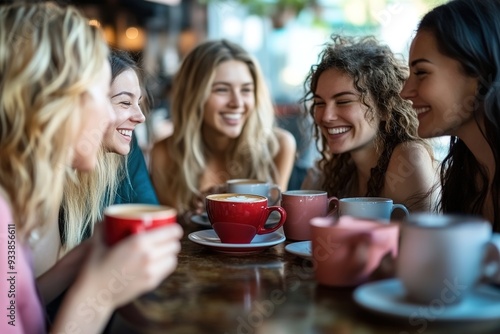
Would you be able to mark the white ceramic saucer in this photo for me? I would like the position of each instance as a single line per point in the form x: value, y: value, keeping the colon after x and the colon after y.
x: 201, y: 220
x: 388, y: 297
x: 302, y: 249
x: 259, y: 243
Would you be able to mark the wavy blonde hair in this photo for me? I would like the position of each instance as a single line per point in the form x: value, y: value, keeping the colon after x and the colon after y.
x: 251, y: 155
x: 49, y: 58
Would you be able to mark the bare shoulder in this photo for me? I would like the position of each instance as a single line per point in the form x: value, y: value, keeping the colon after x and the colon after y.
x: 285, y: 139
x: 411, y: 154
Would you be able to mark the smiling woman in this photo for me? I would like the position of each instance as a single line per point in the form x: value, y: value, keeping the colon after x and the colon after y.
x: 367, y: 132
x: 454, y: 87
x: 224, y: 127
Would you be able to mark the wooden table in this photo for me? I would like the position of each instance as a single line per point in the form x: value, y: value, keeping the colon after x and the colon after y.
x: 271, y: 292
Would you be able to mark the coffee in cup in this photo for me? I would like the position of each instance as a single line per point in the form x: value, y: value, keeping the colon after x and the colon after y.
x: 122, y: 220
x: 237, y: 218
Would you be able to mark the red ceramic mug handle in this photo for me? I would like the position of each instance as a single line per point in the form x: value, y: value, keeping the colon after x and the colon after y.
x: 263, y: 229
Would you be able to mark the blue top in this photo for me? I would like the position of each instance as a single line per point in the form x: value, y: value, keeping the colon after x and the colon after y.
x: 137, y: 186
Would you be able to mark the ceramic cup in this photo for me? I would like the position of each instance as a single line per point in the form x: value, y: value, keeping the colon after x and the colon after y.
x: 237, y: 218
x: 378, y: 208
x: 301, y: 206
x: 347, y: 251
x: 255, y: 187
x: 122, y: 220
x: 444, y: 256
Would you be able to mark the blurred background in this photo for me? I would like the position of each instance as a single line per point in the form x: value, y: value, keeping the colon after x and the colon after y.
x: 284, y: 35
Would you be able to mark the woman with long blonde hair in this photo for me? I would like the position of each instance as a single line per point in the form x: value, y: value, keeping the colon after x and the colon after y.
x: 224, y: 128
x: 54, y: 111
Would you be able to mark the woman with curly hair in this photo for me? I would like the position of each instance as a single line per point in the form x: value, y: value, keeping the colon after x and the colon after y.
x: 224, y: 128
x: 455, y: 89
x: 366, y: 133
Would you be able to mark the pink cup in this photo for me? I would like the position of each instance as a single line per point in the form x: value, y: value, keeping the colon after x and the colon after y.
x: 301, y: 206
x: 237, y: 218
x: 347, y: 251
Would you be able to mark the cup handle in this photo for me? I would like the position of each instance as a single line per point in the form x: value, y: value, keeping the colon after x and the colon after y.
x: 277, y: 190
x: 491, y: 264
x: 335, y: 209
x: 282, y: 212
x: 401, y: 207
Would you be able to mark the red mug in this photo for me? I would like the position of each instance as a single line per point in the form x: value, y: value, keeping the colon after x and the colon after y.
x: 237, y: 218
x: 122, y: 220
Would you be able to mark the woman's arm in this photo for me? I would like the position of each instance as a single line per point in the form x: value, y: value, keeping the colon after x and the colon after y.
x: 57, y: 279
x: 285, y: 158
x: 112, y: 277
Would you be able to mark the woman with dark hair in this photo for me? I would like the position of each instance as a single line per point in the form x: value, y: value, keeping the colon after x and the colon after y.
x: 365, y: 131
x: 454, y: 86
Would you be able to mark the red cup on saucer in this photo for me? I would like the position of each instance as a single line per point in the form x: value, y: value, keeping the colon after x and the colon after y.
x: 237, y: 218
x: 122, y: 220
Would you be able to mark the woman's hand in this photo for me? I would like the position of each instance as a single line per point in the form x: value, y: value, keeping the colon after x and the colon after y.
x: 113, y: 276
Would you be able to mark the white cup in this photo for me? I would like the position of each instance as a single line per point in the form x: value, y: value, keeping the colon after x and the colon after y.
x: 255, y: 187
x: 378, y: 208
x: 442, y: 257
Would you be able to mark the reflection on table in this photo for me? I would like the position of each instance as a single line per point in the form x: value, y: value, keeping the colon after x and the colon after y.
x: 269, y: 292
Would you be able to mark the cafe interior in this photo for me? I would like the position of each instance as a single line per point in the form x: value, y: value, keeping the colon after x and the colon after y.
x: 281, y: 282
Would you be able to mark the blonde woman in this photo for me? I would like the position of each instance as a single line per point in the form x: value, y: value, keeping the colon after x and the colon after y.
x: 54, y: 110
x: 224, y: 127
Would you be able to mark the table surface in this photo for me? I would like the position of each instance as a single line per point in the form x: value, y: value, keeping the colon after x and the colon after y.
x: 270, y: 292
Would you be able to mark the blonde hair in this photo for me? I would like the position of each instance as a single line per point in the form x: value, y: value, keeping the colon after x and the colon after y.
x: 86, y: 197
x: 84, y: 201
x: 252, y: 154
x: 49, y: 58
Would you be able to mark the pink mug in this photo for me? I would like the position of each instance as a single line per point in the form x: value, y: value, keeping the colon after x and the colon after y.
x: 237, y: 218
x: 301, y: 206
x: 347, y: 251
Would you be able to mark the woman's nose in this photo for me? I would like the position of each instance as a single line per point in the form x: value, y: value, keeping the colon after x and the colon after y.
x: 408, y: 90
x: 236, y: 99
x: 138, y: 116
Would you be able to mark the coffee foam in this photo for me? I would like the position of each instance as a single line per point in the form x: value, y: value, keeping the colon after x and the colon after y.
x: 241, y: 198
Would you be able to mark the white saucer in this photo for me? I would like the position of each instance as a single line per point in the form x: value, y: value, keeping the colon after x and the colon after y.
x: 388, y: 297
x: 259, y: 243
x: 302, y: 249
x: 202, y: 220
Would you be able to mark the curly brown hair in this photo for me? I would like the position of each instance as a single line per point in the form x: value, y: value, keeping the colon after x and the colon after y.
x: 378, y: 75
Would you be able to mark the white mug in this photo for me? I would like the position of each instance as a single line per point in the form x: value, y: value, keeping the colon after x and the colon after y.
x: 378, y: 208
x: 255, y: 187
x: 442, y: 257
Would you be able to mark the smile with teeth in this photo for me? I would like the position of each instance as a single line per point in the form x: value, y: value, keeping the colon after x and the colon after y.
x: 232, y: 116
x: 126, y: 133
x: 421, y: 110
x: 338, y: 130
